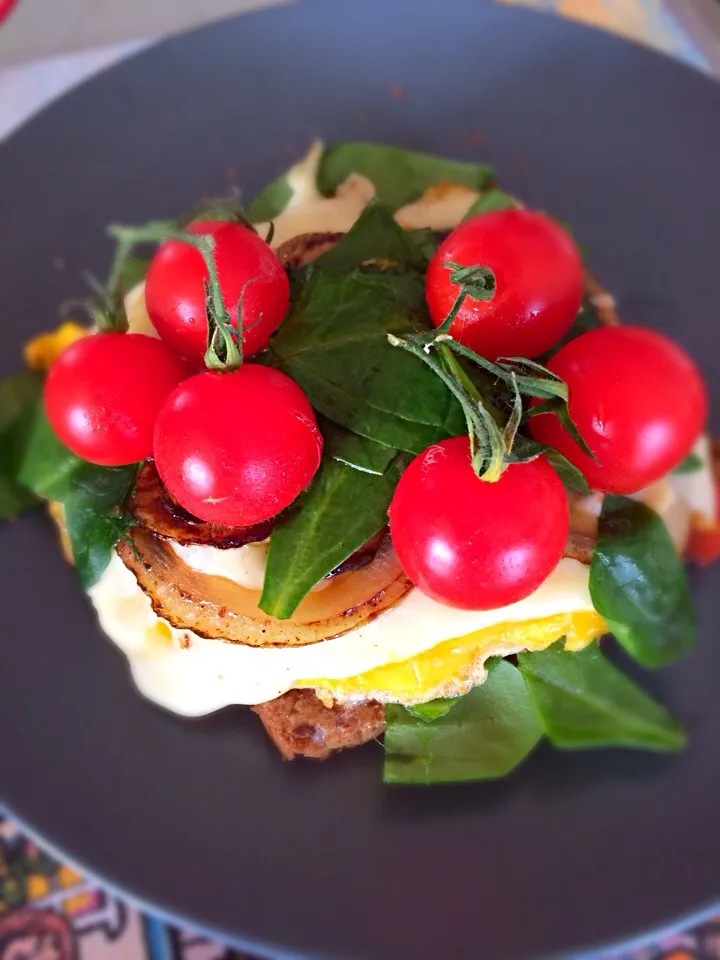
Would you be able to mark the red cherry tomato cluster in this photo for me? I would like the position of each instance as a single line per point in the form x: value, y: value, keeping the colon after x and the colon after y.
x: 236, y: 448
x: 232, y: 448
x: 637, y: 399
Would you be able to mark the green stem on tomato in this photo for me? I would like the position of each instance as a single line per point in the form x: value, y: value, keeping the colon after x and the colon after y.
x: 157, y: 231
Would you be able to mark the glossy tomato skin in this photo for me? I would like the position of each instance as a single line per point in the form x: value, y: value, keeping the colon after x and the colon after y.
x: 473, y: 544
x: 175, y: 288
x: 638, y: 401
x: 104, y: 392
x: 539, y: 278
x: 237, y: 448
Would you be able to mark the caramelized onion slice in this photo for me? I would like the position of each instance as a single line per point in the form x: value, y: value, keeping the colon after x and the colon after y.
x: 305, y: 248
x: 218, y: 608
x: 155, y: 510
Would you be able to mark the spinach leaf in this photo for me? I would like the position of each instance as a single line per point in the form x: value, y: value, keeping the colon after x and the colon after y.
x: 133, y: 270
x: 493, y: 199
x: 334, y: 344
x: 377, y: 236
x: 94, y: 517
x: 18, y: 396
x: 271, y: 202
x: 433, y: 709
x: 485, y: 736
x: 14, y: 499
x: 354, y: 450
x: 47, y: 467
x: 93, y: 534
x: 639, y: 584
x: 400, y: 176
x: 341, y: 509
x: 690, y: 464
x: 584, y: 701
x: 91, y: 495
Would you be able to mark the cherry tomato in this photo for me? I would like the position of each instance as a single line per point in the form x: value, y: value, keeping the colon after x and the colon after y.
x: 539, y: 278
x: 237, y: 448
x: 638, y: 401
x: 473, y: 544
x: 104, y: 392
x: 175, y: 288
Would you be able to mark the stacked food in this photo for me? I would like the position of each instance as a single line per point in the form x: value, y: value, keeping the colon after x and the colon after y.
x: 374, y: 456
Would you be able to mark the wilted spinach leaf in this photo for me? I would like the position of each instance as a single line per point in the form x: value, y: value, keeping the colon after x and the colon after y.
x: 91, y: 495
x: 485, y: 736
x: 334, y: 344
x: 400, y: 176
x: 433, y: 709
x: 18, y: 397
x: 493, y: 199
x: 354, y: 450
x: 377, y: 236
x: 585, y: 701
x: 342, y: 508
x: 638, y: 583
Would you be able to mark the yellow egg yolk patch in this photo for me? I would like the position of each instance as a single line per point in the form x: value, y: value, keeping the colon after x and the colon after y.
x: 41, y: 352
x: 451, y: 667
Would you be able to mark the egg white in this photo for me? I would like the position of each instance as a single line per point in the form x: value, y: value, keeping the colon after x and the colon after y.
x: 192, y: 675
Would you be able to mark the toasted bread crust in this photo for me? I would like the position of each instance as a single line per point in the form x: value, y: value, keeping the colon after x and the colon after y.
x: 301, y: 726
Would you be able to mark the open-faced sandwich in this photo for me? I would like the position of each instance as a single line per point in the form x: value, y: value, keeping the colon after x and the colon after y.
x: 374, y: 456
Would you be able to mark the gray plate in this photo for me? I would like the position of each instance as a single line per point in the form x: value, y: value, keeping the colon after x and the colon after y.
x: 202, y: 819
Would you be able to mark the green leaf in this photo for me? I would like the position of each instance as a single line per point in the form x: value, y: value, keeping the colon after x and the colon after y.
x: 691, y: 464
x: 334, y: 344
x: 341, y: 509
x: 493, y: 199
x: 47, y: 466
x: 18, y: 397
x: 584, y: 701
x: 271, y: 201
x: 639, y: 584
x: 433, y: 709
x: 133, y: 271
x: 377, y: 236
x: 14, y: 499
x: 354, y: 450
x: 94, y: 518
x: 400, y: 176
x: 17, y: 394
x: 93, y: 534
x: 485, y: 736
x: 92, y: 495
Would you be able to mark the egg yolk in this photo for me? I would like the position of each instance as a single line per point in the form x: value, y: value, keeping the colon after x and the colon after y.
x: 40, y: 352
x: 449, y: 667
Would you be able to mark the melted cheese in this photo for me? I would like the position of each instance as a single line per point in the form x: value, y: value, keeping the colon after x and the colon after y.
x: 192, y: 675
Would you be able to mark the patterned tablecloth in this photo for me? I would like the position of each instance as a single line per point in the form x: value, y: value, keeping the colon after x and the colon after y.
x: 49, y: 911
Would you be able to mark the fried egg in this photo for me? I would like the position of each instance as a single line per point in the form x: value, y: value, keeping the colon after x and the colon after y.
x: 415, y: 651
